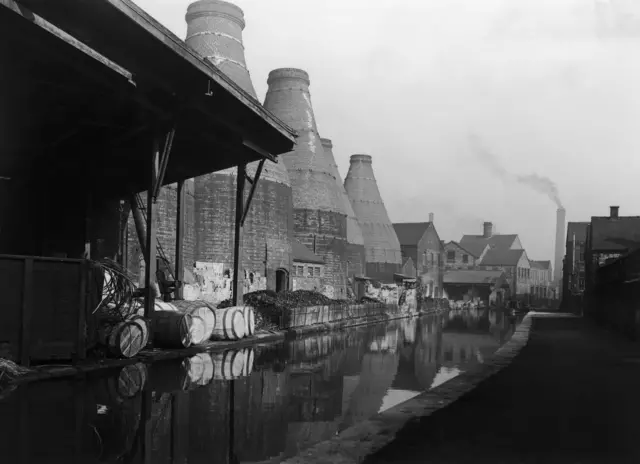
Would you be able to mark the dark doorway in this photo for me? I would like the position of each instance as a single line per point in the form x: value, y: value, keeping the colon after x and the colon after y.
x: 282, y: 280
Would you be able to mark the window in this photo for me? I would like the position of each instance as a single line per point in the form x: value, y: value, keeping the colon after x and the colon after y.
x: 451, y: 256
x: 465, y: 259
x: 581, y: 284
x: 301, y: 271
x: 316, y: 271
x: 310, y: 271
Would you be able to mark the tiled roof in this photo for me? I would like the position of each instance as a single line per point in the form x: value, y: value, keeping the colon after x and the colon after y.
x: 477, y: 243
x: 543, y: 265
x: 463, y: 248
x: 303, y: 254
x: 616, y: 235
x: 579, y: 229
x: 501, y: 257
x: 410, y: 233
x: 473, y: 277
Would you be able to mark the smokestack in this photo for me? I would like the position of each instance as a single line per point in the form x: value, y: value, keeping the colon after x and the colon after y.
x: 355, y: 241
x: 560, y: 243
x: 318, y: 207
x: 430, y: 217
x: 214, y: 30
x: 614, y: 212
x: 487, y: 230
x: 380, y: 239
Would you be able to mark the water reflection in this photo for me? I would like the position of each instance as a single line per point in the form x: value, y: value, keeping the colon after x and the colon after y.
x: 244, y: 406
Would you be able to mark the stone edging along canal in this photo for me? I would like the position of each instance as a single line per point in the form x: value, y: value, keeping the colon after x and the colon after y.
x: 55, y: 372
x: 365, y: 438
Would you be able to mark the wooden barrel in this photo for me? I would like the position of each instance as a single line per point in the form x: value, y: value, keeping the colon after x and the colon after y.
x: 197, y: 308
x: 249, y: 357
x: 145, y: 327
x: 230, y: 324
x: 196, y: 369
x: 228, y: 365
x: 123, y: 339
x: 250, y: 319
x: 169, y: 376
x: 198, y: 330
x: 172, y: 329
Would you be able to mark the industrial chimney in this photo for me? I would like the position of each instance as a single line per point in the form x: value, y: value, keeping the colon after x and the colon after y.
x: 614, y: 212
x: 319, y: 214
x: 214, y: 30
x: 355, y: 241
x: 380, y: 240
x: 430, y: 217
x: 487, y: 230
x: 560, y: 244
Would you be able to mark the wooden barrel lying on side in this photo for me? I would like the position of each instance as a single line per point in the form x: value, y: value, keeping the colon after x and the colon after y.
x: 144, y: 324
x: 229, y: 365
x: 172, y: 329
x: 198, y: 308
x: 123, y: 339
x: 169, y: 376
x: 250, y: 319
x: 230, y: 324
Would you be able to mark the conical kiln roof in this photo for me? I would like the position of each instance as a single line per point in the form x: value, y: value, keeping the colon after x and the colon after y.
x: 380, y: 239
x: 214, y: 31
x: 313, y: 183
x: 354, y: 233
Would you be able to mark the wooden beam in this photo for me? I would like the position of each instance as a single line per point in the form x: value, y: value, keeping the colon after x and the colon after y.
x: 150, y: 250
x: 180, y: 223
x: 255, y: 148
x: 42, y: 23
x: 27, y: 309
x: 237, y: 244
x: 138, y: 220
x: 254, y: 184
x: 164, y: 161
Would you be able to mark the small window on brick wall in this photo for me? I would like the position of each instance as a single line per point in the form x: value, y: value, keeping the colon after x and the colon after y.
x: 451, y: 256
x: 316, y: 271
x: 465, y: 259
x: 309, y: 271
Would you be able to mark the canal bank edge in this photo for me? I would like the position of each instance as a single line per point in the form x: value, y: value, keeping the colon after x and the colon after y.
x: 365, y: 438
x: 56, y: 372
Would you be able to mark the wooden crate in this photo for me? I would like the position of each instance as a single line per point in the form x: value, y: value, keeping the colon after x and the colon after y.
x: 43, y: 309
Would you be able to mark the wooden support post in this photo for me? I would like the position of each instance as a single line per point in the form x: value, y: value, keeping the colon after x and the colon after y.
x: 27, y: 308
x: 138, y: 220
x: 237, y: 245
x: 150, y: 250
x: 180, y: 222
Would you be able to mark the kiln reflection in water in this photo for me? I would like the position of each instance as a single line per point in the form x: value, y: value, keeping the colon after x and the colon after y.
x: 254, y: 405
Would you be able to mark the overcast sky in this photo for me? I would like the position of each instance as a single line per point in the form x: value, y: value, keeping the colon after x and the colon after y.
x: 458, y: 100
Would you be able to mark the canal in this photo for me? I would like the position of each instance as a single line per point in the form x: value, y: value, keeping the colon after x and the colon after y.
x: 258, y: 405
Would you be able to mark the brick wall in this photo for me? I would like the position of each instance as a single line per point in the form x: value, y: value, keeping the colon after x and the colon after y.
x: 356, y: 257
x: 458, y: 257
x: 328, y: 230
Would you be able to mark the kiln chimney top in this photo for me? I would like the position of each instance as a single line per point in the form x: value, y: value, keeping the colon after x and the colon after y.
x: 614, y: 211
x: 430, y: 217
x: 488, y: 230
x: 204, y: 8
x: 288, y: 73
x: 326, y: 143
x: 361, y: 158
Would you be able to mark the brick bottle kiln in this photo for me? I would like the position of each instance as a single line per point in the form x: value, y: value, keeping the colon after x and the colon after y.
x: 383, y: 257
x: 215, y: 32
x: 320, y: 221
x: 355, y: 241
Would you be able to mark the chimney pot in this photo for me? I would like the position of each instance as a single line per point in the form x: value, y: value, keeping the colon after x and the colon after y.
x: 488, y: 230
x: 614, y: 211
x: 430, y: 217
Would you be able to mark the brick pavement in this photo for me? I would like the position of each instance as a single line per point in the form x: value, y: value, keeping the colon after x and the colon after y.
x: 571, y: 396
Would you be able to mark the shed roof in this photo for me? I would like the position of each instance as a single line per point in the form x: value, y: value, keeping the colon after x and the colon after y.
x: 410, y: 233
x: 616, y: 235
x: 473, y: 277
x: 453, y: 242
x: 502, y: 257
x: 88, y: 86
x: 302, y: 254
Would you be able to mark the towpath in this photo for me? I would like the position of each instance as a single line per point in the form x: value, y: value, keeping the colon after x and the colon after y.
x: 572, y: 395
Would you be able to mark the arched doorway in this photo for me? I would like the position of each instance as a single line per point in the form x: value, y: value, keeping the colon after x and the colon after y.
x: 282, y: 280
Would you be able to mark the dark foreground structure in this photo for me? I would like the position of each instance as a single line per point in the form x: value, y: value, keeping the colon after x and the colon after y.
x: 570, y: 396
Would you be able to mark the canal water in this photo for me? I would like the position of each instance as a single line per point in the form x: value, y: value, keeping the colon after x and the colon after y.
x: 282, y: 398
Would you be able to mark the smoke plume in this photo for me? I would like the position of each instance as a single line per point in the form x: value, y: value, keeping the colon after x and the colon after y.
x: 538, y: 183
